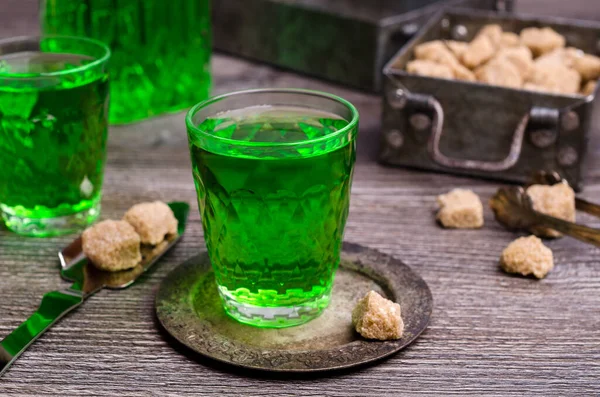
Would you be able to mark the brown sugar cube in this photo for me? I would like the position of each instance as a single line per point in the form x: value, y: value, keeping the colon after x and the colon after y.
x: 430, y: 50
x: 112, y: 245
x: 527, y: 255
x: 375, y: 317
x: 589, y: 88
x: 570, y: 54
x: 541, y: 41
x: 437, y: 51
x: 563, y: 56
x: 460, y: 209
x: 501, y: 72
x: 462, y: 73
x: 429, y: 68
x: 556, y: 200
x: 520, y: 57
x: 554, y: 57
x: 152, y: 221
x: 457, y: 47
x: 509, y: 39
x: 493, y: 32
x: 480, y: 50
x: 555, y: 78
x: 483, y: 46
x: 588, y: 66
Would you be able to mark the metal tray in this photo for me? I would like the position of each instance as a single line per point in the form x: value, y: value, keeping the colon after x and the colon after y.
x: 345, y: 41
x: 481, y: 130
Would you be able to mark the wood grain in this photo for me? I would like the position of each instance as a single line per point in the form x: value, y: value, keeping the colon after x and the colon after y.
x: 490, y: 334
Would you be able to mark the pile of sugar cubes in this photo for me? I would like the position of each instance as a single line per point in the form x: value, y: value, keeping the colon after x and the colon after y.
x: 536, y: 59
x: 462, y: 209
x: 376, y: 317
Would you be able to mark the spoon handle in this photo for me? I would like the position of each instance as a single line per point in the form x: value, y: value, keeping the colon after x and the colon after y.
x: 586, y: 206
x: 580, y: 232
x: 54, y: 306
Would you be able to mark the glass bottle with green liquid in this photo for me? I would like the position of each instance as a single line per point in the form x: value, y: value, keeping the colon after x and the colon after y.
x: 160, y: 50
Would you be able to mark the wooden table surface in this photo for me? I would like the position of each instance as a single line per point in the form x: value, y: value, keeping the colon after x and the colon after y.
x: 490, y: 333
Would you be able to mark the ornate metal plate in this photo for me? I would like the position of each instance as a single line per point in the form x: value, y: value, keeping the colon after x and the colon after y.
x: 188, y: 307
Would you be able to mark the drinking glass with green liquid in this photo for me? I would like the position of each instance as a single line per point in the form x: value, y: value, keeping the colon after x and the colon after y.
x: 53, y: 131
x: 161, y: 49
x: 273, y: 171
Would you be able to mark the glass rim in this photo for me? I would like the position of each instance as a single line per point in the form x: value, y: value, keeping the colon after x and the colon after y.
x: 98, y: 61
x: 350, y: 126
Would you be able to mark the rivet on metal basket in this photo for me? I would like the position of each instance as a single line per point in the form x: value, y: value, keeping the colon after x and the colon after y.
x: 567, y: 156
x: 397, y: 98
x: 460, y: 32
x: 445, y: 24
x: 410, y: 29
x: 395, y: 139
x: 543, y: 138
x: 420, y: 121
x: 501, y: 5
x: 570, y: 121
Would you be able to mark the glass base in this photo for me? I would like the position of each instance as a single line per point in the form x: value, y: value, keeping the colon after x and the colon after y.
x: 45, y: 227
x: 274, y: 316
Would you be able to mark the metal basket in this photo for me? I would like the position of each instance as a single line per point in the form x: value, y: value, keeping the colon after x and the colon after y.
x: 475, y: 129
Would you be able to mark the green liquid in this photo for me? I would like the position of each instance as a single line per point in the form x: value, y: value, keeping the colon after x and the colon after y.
x: 274, y: 223
x: 52, y: 142
x: 160, y: 50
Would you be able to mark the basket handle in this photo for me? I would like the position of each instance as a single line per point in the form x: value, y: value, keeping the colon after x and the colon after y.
x: 402, y: 98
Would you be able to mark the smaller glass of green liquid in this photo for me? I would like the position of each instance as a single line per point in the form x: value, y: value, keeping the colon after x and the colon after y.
x: 53, y: 131
x: 273, y: 170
